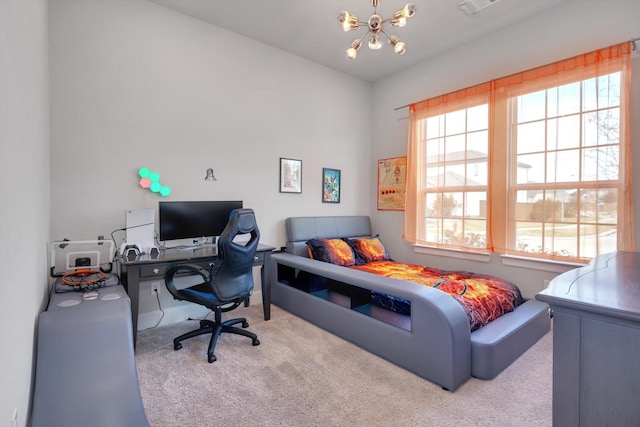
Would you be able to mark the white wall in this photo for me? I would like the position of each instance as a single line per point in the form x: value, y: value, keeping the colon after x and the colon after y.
x: 570, y: 29
x: 135, y: 84
x: 24, y: 185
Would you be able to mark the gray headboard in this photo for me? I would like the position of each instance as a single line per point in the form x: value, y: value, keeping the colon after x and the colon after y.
x: 302, y: 228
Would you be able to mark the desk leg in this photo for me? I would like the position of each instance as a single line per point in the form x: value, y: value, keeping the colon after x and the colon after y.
x: 133, y: 289
x: 265, y: 279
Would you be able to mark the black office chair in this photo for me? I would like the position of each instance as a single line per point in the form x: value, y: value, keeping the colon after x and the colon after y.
x: 226, y: 285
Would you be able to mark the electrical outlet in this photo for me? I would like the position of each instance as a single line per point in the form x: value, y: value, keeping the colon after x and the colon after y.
x: 14, y: 419
x: 155, y: 288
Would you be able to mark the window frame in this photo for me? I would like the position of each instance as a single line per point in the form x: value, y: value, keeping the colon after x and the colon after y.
x: 501, y: 206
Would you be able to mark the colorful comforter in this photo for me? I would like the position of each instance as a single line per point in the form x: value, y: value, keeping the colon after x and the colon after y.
x: 483, y: 298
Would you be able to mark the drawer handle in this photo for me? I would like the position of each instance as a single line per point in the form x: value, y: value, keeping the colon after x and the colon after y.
x: 156, y: 271
x: 255, y: 258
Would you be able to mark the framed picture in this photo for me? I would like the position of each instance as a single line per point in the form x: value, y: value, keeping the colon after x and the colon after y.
x: 392, y: 176
x: 330, y: 185
x: 290, y: 175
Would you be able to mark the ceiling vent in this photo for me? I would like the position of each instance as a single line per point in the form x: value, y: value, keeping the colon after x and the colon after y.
x: 471, y: 7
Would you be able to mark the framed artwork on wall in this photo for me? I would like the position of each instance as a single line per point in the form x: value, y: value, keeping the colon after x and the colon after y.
x: 392, y: 176
x: 290, y: 175
x: 330, y: 185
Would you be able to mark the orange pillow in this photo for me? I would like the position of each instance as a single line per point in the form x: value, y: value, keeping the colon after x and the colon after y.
x: 334, y: 251
x: 368, y: 249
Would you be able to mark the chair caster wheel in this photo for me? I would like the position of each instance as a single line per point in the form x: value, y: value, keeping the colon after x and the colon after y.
x: 177, y: 346
x: 245, y: 325
x: 212, y: 358
x: 256, y: 342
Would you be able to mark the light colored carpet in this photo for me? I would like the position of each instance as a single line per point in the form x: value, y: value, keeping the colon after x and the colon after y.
x: 301, y: 375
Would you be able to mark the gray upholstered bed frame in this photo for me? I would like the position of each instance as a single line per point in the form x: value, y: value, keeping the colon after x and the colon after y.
x: 434, y: 341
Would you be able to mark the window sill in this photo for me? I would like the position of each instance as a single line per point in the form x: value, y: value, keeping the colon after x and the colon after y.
x: 507, y: 260
x: 452, y: 253
x: 538, y: 264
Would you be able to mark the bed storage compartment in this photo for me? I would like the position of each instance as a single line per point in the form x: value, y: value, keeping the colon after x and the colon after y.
x: 340, y: 293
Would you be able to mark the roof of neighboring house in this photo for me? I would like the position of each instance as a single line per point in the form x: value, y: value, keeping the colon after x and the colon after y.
x: 452, y: 179
x: 469, y: 156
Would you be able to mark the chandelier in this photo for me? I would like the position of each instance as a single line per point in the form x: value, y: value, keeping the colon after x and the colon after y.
x: 375, y: 26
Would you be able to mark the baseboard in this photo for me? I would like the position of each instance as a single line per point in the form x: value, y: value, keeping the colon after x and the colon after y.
x: 171, y: 315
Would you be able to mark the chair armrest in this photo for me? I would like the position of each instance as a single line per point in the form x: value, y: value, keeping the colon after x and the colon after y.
x: 191, y: 268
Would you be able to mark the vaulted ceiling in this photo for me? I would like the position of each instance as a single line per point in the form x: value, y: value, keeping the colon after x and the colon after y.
x: 310, y: 29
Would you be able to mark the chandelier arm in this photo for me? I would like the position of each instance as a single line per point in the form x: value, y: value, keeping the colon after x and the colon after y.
x: 365, y: 35
x: 388, y: 36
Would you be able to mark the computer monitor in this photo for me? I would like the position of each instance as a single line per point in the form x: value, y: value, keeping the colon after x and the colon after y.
x: 194, y: 219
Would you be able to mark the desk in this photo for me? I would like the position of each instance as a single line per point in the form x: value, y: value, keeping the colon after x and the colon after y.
x: 596, y: 342
x: 152, y: 267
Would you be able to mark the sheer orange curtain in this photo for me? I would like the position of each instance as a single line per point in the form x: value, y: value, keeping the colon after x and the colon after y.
x: 414, y: 213
x: 498, y: 93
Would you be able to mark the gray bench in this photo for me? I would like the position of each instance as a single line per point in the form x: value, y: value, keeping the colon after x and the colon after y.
x: 85, y: 364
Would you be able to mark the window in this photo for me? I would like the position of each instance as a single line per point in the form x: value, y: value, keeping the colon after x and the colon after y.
x: 566, y: 143
x: 455, y: 191
x: 532, y: 164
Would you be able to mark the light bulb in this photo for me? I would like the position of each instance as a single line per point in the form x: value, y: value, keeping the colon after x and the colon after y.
x: 374, y: 43
x: 399, y: 20
x: 348, y: 21
x: 343, y: 18
x: 352, y: 52
x: 398, y: 46
x: 409, y: 10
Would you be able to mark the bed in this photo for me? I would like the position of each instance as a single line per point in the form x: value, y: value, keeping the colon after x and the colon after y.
x: 374, y: 304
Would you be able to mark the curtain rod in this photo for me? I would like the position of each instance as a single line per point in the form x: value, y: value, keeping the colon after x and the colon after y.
x: 633, y: 47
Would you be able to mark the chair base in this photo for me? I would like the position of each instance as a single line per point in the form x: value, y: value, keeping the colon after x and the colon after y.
x: 215, y: 329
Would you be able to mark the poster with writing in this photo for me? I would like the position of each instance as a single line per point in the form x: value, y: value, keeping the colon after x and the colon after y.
x: 392, y: 175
